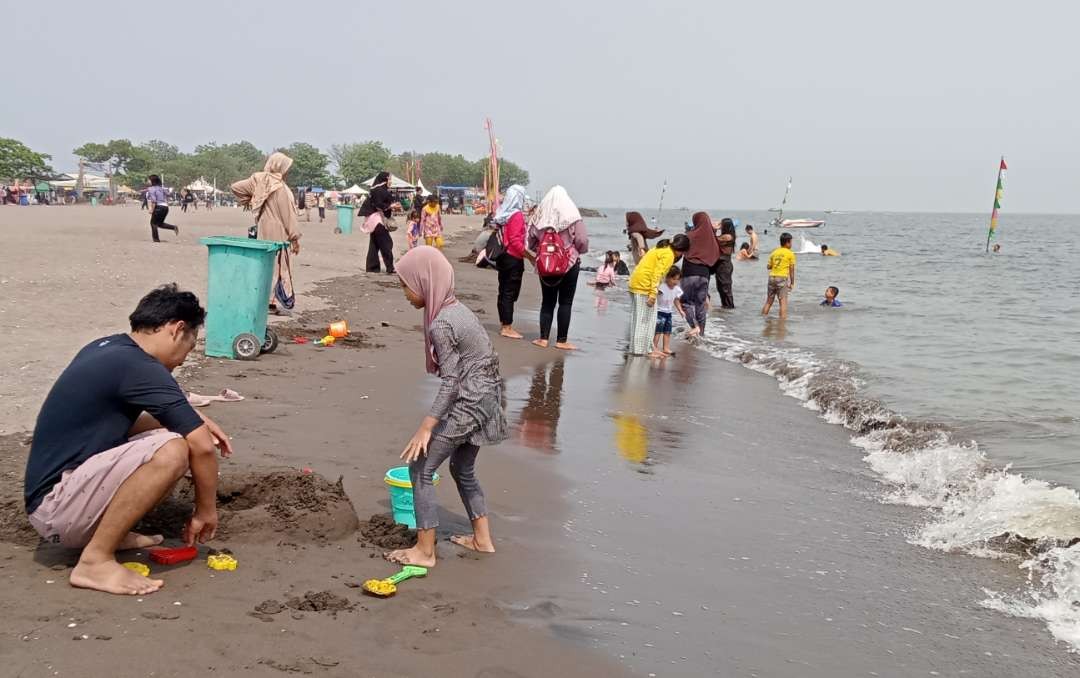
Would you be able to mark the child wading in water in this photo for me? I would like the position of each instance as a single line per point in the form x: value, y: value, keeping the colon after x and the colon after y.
x: 467, y: 411
x: 667, y: 302
x: 431, y: 222
x: 644, y: 283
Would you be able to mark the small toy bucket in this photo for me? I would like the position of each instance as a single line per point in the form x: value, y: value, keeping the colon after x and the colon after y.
x: 339, y: 330
x: 401, y: 495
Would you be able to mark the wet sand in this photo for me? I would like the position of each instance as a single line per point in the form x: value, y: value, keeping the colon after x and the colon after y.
x: 681, y: 519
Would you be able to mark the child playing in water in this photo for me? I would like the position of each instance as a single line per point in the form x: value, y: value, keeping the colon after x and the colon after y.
x: 605, y: 275
x: 431, y: 222
x: 831, y: 294
x: 467, y: 411
x: 781, y: 276
x: 667, y: 301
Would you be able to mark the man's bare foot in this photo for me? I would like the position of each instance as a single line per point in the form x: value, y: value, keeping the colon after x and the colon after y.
x: 134, y: 540
x: 112, y: 577
x: 510, y: 333
x: 542, y: 343
x: 657, y: 354
x: 565, y: 346
x: 468, y: 541
x: 413, y: 556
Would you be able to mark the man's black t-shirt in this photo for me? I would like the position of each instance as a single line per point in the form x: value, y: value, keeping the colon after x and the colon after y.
x: 93, y: 405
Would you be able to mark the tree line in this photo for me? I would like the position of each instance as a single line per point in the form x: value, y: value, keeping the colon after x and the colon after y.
x: 341, y: 166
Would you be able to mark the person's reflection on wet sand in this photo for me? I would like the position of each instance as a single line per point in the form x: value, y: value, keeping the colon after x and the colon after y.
x: 632, y: 387
x: 775, y: 329
x: 539, y: 419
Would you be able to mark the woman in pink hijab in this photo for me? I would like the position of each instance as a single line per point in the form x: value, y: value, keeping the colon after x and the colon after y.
x: 467, y: 412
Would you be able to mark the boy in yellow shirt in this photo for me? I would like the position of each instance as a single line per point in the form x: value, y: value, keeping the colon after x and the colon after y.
x: 781, y: 275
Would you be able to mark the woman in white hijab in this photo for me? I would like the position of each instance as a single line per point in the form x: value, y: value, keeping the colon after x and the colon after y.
x: 557, y: 238
x: 510, y: 219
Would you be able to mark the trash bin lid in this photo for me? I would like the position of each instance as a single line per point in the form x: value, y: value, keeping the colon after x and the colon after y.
x: 250, y: 243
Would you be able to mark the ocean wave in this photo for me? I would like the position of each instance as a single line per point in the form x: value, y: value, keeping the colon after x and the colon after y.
x: 974, y: 507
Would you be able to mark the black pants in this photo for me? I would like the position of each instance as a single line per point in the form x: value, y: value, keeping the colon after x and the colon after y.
x: 511, y: 269
x: 157, y: 220
x: 723, y: 282
x: 380, y: 242
x: 558, y: 291
x: 183, y: 207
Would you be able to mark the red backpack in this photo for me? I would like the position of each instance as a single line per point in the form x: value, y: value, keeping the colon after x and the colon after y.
x: 553, y: 256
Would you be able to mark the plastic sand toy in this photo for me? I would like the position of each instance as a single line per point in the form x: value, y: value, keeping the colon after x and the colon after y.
x: 384, y: 588
x: 174, y: 556
x: 221, y: 561
x: 141, y: 568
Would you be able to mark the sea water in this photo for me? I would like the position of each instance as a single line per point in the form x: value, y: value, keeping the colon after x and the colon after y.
x: 955, y: 370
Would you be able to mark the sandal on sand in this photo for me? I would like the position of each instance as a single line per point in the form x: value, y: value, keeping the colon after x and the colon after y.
x: 197, y: 400
x: 227, y: 395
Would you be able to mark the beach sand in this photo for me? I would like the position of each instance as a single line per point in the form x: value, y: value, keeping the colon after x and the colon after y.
x: 676, y: 519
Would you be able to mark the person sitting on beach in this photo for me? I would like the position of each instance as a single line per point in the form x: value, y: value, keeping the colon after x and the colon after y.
x: 744, y: 253
x: 644, y: 283
x: 114, y: 435
x: 605, y: 275
x: 667, y: 302
x: 467, y: 412
x: 827, y: 252
x: 781, y: 268
x: 831, y: 294
x: 620, y: 265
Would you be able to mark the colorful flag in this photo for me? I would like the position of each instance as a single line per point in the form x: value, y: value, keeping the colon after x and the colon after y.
x: 492, y: 189
x: 999, y: 193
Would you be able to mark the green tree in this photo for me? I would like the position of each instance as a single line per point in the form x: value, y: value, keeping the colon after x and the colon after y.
x: 510, y: 173
x: 114, y: 158
x: 356, y: 163
x: 309, y: 165
x: 161, y: 151
x: 443, y: 169
x: 17, y: 161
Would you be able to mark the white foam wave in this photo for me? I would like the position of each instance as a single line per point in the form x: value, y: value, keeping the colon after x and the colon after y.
x: 973, y: 507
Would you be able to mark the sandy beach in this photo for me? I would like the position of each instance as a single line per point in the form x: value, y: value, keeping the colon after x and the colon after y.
x: 678, y: 519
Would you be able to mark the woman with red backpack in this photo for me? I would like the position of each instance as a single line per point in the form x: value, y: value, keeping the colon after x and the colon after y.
x: 557, y: 238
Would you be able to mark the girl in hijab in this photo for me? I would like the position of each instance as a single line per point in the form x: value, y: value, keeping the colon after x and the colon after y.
x: 724, y: 267
x: 431, y: 222
x: 270, y: 198
x: 644, y: 282
x: 467, y: 411
x: 638, y: 232
x: 510, y: 218
x: 697, y: 268
x: 376, y: 210
x: 558, y: 213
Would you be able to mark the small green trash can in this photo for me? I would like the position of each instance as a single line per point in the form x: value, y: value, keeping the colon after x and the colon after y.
x: 344, y: 218
x: 93, y: 202
x: 241, y: 271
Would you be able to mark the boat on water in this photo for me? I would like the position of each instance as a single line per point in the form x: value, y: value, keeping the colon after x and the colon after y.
x: 780, y: 222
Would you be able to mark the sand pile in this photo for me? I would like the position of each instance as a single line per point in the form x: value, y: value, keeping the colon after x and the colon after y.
x: 381, y: 531
x: 264, y: 506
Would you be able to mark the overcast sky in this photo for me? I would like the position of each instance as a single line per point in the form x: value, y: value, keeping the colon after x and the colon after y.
x: 868, y: 105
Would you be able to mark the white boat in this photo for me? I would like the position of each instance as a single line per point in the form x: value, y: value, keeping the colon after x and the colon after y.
x: 780, y: 222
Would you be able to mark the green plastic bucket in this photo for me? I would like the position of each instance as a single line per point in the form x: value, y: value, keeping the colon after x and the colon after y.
x: 401, y: 497
x: 93, y: 202
x: 344, y: 218
x: 241, y: 271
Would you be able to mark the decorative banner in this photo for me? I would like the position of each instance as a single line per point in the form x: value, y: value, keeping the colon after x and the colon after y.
x: 492, y: 188
x: 999, y: 193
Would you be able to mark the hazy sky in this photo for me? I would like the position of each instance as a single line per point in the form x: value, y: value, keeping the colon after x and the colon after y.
x: 869, y: 105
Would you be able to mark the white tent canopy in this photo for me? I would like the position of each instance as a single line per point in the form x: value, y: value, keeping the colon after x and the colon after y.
x: 396, y: 182
x: 355, y: 190
x: 421, y: 190
x: 90, y: 181
x: 200, y: 184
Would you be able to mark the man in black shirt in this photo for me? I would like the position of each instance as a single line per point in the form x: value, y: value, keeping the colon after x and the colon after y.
x: 114, y: 435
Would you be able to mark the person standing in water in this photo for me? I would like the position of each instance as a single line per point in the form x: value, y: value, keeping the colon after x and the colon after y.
x: 724, y: 267
x: 752, y: 234
x: 557, y: 239
x: 644, y: 283
x: 376, y: 210
x: 270, y: 198
x: 159, y: 208
x: 639, y: 232
x: 697, y: 268
x: 511, y: 263
x: 467, y: 412
x: 781, y: 276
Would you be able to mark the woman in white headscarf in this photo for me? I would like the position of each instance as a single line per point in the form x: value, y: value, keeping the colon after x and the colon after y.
x: 510, y: 219
x: 557, y: 238
x: 271, y: 199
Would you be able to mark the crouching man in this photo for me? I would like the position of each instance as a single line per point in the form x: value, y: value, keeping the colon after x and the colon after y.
x: 114, y: 435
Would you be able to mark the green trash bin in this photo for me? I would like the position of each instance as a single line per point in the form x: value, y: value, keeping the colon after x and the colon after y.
x: 93, y: 202
x: 344, y: 218
x: 241, y: 271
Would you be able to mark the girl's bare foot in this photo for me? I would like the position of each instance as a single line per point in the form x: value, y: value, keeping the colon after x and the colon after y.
x: 112, y: 577
x: 469, y: 541
x: 657, y: 354
x: 134, y: 540
x: 542, y: 343
x: 413, y: 556
x: 565, y: 346
x: 510, y: 333
x: 668, y: 353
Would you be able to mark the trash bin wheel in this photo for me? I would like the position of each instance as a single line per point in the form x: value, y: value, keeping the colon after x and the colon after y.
x: 271, y: 343
x: 246, y: 346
